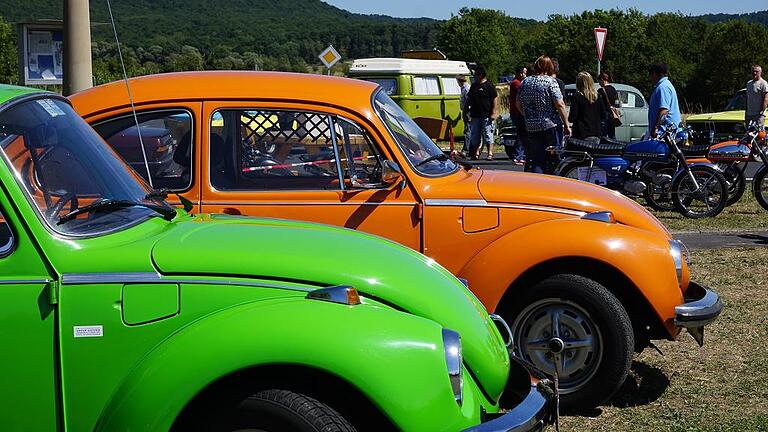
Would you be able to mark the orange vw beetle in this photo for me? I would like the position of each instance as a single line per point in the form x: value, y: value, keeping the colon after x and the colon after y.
x: 584, y: 275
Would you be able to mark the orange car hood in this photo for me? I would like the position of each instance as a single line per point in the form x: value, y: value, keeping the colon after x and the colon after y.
x: 550, y: 191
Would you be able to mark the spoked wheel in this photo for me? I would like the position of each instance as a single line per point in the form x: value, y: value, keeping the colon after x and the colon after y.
x: 760, y: 186
x: 706, y: 200
x: 736, y: 183
x: 572, y: 170
x: 574, y: 327
x: 658, y: 193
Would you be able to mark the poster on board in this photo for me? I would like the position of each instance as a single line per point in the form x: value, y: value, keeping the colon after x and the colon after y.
x: 42, y: 54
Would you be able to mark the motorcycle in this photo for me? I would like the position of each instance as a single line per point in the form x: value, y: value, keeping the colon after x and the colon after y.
x: 636, y: 169
x: 733, y: 157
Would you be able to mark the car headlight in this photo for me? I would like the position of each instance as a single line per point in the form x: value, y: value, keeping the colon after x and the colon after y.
x: 679, y: 252
x: 452, y: 346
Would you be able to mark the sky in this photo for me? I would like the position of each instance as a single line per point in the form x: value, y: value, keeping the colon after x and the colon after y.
x: 540, y: 9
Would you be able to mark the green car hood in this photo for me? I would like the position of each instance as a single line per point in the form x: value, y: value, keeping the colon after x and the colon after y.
x: 379, y: 268
x: 730, y: 116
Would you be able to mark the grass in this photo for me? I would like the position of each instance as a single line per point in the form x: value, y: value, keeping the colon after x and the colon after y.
x: 745, y: 215
x: 719, y: 387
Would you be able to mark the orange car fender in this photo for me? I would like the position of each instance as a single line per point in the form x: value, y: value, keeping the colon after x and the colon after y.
x: 643, y: 257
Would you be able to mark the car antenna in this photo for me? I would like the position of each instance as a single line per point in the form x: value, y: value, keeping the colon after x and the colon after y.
x: 130, y: 96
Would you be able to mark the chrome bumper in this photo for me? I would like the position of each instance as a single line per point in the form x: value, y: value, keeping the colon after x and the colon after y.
x: 701, y: 307
x: 534, y: 413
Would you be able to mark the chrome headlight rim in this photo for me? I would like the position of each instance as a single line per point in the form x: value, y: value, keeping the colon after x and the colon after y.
x: 454, y: 361
x: 679, y: 252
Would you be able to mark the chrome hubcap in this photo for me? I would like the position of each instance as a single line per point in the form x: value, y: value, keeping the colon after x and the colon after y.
x: 558, y: 336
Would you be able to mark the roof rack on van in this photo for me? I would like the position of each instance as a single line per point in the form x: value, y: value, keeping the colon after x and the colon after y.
x: 433, y: 54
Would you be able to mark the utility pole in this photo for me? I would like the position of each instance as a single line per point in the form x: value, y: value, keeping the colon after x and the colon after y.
x: 78, y: 72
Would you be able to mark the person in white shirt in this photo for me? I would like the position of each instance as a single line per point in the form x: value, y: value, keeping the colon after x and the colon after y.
x: 757, y: 98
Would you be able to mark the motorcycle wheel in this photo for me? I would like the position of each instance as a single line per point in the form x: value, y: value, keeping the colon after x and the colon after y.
x: 571, y: 170
x: 760, y: 187
x: 658, y: 195
x: 708, y: 201
x: 736, y: 183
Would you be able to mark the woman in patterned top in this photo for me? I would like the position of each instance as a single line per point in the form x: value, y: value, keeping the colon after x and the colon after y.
x: 541, y: 103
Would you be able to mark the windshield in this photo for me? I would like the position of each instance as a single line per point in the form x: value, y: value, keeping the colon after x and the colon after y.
x: 738, y: 102
x: 62, y: 165
x: 413, y: 142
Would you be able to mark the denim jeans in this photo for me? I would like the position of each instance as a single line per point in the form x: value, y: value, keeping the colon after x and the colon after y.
x: 519, y: 146
x: 481, y: 128
x: 536, y: 144
x: 467, y: 134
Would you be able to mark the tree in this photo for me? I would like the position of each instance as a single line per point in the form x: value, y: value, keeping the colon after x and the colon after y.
x: 189, y: 59
x: 485, y: 36
x: 8, y: 60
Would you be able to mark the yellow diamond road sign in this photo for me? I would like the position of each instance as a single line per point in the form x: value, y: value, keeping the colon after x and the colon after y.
x: 329, y: 56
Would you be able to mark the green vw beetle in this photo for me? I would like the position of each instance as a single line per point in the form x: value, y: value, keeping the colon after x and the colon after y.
x: 119, y: 312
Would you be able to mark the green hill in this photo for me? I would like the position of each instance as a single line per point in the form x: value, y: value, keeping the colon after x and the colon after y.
x: 754, y: 17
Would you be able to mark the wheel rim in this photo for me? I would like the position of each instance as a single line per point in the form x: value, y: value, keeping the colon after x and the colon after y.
x: 559, y: 336
x: 572, y: 173
x: 761, y: 187
x: 706, y: 198
x: 660, y: 193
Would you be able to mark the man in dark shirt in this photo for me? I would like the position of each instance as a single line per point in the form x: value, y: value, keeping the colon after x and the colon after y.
x: 482, y: 111
x: 516, y: 116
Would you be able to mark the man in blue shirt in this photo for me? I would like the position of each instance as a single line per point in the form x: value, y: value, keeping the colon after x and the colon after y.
x: 663, y: 99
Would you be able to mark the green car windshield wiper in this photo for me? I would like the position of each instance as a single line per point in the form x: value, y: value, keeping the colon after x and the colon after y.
x: 111, y: 204
x: 439, y: 156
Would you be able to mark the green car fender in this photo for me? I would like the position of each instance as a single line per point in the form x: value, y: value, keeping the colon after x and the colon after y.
x: 396, y: 360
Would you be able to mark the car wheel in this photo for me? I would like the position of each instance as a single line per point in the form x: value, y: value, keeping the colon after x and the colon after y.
x: 285, y: 411
x: 573, y: 326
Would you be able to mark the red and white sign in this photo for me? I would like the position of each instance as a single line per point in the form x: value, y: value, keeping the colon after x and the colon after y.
x: 600, y: 35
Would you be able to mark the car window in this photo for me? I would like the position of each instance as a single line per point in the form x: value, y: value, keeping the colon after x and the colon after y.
x: 272, y: 150
x: 365, y: 165
x: 450, y: 86
x: 168, y: 145
x: 426, y: 86
x: 738, y: 102
x: 6, y: 237
x: 629, y: 99
x: 388, y: 85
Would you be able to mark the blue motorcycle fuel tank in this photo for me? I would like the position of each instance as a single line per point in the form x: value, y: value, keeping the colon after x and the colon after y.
x: 650, y: 150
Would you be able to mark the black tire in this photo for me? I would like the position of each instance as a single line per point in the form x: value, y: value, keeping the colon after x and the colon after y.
x: 737, y: 183
x: 586, y: 311
x: 285, y: 411
x: 760, y: 187
x: 657, y: 195
x: 709, y: 201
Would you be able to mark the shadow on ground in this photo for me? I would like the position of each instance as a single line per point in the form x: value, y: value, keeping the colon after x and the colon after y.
x: 644, y: 385
x: 756, y: 238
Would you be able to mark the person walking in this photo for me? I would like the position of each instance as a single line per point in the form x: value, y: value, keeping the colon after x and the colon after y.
x: 663, y: 101
x: 482, y: 111
x: 757, y: 98
x: 516, y: 116
x: 463, y: 106
x: 610, y: 98
x: 586, y: 110
x: 541, y: 103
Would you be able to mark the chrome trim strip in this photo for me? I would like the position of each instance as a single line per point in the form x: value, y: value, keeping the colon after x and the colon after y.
x: 105, y: 278
x: 484, y: 203
x: 148, y: 277
x: 498, y: 319
x: 456, y: 202
x: 23, y: 281
x: 323, y: 203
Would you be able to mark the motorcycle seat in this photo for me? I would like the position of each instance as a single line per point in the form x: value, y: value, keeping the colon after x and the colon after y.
x: 695, y: 150
x: 605, y: 147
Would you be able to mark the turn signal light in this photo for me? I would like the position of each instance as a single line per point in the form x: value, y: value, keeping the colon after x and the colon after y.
x: 341, y: 294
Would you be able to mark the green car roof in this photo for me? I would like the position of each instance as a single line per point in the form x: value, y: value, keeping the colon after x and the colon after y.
x: 8, y: 92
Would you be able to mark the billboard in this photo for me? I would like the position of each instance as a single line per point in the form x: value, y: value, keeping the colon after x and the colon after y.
x: 41, y: 54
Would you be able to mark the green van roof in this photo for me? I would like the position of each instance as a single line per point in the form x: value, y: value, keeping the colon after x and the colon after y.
x: 8, y: 92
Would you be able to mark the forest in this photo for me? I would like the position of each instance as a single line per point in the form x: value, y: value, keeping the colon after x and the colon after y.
x: 709, y: 56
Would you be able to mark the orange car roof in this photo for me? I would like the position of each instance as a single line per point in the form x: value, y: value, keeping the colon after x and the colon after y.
x: 222, y: 85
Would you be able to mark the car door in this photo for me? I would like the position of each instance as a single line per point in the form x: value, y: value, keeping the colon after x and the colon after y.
x: 634, y: 116
x: 302, y: 162
x: 29, y: 359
